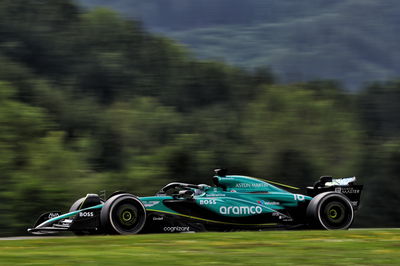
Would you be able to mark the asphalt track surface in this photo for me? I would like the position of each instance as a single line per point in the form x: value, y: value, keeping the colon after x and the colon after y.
x: 39, y: 237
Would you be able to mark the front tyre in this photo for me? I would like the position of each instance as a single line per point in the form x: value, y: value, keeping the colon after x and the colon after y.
x: 331, y: 211
x: 123, y: 214
x: 74, y: 207
x: 77, y: 204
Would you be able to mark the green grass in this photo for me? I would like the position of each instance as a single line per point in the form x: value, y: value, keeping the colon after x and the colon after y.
x: 356, y: 247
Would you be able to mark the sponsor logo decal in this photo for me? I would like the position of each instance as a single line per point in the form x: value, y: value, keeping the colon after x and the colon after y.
x: 240, y: 210
x: 215, y: 195
x: 176, y: 229
x: 347, y: 190
x: 208, y: 202
x: 158, y: 218
x: 86, y: 214
x: 150, y: 203
x: 53, y: 215
x: 251, y: 185
x: 350, y: 190
x: 268, y: 202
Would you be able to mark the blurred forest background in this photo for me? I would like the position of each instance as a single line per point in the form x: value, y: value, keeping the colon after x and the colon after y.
x: 90, y: 100
x: 353, y: 41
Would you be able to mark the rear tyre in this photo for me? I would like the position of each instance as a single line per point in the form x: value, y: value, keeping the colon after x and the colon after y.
x: 123, y: 214
x: 331, y: 211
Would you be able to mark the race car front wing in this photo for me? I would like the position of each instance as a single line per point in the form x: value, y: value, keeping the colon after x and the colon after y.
x: 87, y: 219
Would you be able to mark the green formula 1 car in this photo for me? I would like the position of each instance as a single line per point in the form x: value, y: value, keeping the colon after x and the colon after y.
x: 234, y: 203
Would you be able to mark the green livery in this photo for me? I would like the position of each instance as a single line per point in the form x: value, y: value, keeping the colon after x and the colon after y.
x: 234, y: 202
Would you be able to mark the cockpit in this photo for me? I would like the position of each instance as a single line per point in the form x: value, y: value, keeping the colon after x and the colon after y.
x: 184, y: 190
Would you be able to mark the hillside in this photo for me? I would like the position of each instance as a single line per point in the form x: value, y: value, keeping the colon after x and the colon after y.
x: 190, y: 14
x: 351, y: 41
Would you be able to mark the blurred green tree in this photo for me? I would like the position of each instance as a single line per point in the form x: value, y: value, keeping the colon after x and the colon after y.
x: 293, y: 134
x: 33, y: 163
x: 380, y: 110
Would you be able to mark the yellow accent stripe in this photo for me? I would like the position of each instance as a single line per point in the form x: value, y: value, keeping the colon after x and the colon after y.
x: 207, y: 220
x: 275, y: 183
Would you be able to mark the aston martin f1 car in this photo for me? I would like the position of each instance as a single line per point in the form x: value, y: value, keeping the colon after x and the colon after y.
x: 234, y: 202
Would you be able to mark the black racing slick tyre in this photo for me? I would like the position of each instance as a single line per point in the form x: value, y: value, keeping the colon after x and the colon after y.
x: 123, y: 214
x: 77, y: 204
x: 74, y: 207
x: 330, y: 211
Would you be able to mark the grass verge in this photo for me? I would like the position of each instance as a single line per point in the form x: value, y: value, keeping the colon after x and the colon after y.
x: 356, y: 247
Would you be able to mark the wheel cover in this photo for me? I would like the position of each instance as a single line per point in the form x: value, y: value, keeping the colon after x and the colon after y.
x: 335, y: 214
x: 127, y: 216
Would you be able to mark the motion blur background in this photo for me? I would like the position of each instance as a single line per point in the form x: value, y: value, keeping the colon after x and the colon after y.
x: 139, y: 93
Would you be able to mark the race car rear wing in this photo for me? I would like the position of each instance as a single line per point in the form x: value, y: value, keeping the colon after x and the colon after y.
x: 346, y: 186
